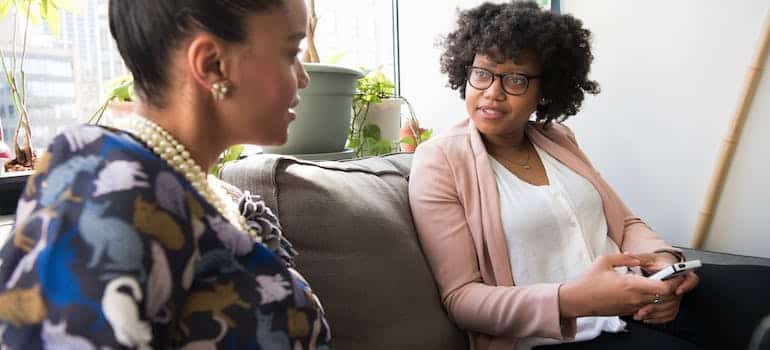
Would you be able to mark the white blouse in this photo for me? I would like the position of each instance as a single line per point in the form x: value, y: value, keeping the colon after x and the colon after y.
x: 554, y: 233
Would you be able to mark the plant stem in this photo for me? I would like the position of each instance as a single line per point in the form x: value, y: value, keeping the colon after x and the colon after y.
x: 24, y: 56
x: 360, y: 122
x: 24, y: 155
x: 413, y: 123
x: 5, y: 67
x: 97, y: 116
x: 13, y: 39
x: 311, y: 54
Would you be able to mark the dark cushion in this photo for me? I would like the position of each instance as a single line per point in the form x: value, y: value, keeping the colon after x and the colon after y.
x: 358, y: 247
x: 719, y: 258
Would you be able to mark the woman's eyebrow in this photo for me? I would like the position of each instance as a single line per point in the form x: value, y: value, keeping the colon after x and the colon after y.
x: 297, y: 36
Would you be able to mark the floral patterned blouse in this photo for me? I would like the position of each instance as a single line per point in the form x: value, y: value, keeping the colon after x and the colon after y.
x: 114, y: 249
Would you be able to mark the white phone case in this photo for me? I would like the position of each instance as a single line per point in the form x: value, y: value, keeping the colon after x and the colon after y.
x: 676, y: 269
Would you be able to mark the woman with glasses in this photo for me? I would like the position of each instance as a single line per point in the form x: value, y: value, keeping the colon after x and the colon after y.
x: 530, y: 247
x: 122, y: 241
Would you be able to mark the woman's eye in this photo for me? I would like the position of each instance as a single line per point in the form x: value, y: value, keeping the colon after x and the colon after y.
x: 480, y: 74
x: 516, y: 80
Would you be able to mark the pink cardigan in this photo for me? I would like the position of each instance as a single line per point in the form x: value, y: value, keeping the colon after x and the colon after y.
x: 456, y: 209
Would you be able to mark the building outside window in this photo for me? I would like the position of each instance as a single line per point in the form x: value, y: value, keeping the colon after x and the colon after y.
x: 68, y: 76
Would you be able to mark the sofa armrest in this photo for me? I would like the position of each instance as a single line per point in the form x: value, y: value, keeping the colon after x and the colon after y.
x: 710, y: 257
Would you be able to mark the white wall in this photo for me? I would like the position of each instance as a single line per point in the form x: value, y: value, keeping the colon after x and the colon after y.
x: 742, y: 222
x: 421, y: 23
x: 671, y: 73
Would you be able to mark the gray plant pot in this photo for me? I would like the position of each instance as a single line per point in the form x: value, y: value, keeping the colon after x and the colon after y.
x: 324, y: 112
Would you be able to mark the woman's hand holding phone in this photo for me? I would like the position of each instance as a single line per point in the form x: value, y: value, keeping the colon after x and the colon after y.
x: 680, y: 279
x: 602, y: 291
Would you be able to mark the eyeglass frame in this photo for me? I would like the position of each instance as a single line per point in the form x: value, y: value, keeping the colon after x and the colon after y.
x: 469, y: 69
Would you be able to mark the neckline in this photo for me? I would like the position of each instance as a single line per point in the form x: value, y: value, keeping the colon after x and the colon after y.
x: 539, y: 152
x: 164, y: 146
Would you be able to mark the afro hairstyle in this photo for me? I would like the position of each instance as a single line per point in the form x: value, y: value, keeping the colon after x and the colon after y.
x: 559, y: 43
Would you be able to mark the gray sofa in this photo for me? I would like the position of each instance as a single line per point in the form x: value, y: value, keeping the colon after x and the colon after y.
x: 352, y: 225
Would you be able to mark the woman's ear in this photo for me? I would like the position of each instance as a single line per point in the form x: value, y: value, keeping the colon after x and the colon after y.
x: 207, y: 57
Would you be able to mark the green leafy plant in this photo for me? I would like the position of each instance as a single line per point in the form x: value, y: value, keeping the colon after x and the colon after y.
x: 35, y: 12
x: 366, y: 139
x: 230, y: 155
x: 412, y: 134
x: 410, y: 140
x: 121, y: 90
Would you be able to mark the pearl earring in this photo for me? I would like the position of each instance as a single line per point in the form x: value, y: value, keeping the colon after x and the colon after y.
x: 221, y: 89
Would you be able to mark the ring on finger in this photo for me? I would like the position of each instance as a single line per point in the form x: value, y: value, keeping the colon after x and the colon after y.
x: 657, y: 299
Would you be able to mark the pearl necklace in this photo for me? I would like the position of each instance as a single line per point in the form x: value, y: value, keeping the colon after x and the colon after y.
x: 176, y: 155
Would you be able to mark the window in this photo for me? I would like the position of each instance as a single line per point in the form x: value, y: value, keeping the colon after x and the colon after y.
x: 66, y: 75
x: 69, y: 75
x: 356, y: 33
x: 548, y: 4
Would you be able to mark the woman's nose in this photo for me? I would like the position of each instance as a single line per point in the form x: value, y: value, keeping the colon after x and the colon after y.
x: 495, y: 91
x: 303, y: 79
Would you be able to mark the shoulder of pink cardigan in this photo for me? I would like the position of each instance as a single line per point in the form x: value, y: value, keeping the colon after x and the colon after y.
x: 636, y: 236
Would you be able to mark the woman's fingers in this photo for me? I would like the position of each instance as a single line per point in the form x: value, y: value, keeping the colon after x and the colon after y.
x: 661, y: 320
x: 649, y: 262
x: 648, y: 287
x: 674, y: 284
x: 652, y: 309
x: 666, y: 313
x: 643, y: 312
x: 690, y: 281
x: 659, y: 313
x: 611, y: 261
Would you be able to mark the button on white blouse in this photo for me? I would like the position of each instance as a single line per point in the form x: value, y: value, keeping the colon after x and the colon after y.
x: 554, y: 233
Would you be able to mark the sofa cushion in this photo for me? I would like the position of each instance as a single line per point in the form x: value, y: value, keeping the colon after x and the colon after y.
x: 358, y: 247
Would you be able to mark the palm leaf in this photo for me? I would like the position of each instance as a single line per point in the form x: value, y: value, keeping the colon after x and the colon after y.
x: 54, y: 21
x: 29, y: 12
x: 44, y: 9
x: 71, y: 6
x: 5, y: 8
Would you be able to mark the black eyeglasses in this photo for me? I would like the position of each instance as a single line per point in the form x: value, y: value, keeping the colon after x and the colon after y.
x: 513, y: 83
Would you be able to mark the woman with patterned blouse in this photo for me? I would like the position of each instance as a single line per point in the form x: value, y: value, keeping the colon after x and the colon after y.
x: 122, y: 241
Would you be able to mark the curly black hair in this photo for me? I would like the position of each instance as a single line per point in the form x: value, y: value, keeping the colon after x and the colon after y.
x: 506, y: 31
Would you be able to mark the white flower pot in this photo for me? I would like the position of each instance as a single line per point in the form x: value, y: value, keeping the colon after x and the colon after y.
x: 387, y: 116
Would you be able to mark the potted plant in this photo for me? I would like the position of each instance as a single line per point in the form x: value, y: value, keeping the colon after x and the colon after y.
x: 374, y: 129
x: 120, y: 101
x: 323, y: 115
x: 412, y: 135
x: 35, y: 11
x: 376, y: 115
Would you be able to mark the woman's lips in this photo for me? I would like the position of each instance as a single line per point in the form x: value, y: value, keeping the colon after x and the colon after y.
x: 294, y: 103
x: 291, y: 114
x: 489, y: 113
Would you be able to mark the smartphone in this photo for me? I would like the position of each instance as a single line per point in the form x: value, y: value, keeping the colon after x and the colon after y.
x: 677, y: 269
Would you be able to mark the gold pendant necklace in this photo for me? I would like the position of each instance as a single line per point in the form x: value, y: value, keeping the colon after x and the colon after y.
x: 526, y: 165
x: 176, y: 155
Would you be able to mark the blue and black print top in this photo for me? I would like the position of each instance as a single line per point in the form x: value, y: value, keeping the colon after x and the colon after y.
x: 114, y: 249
